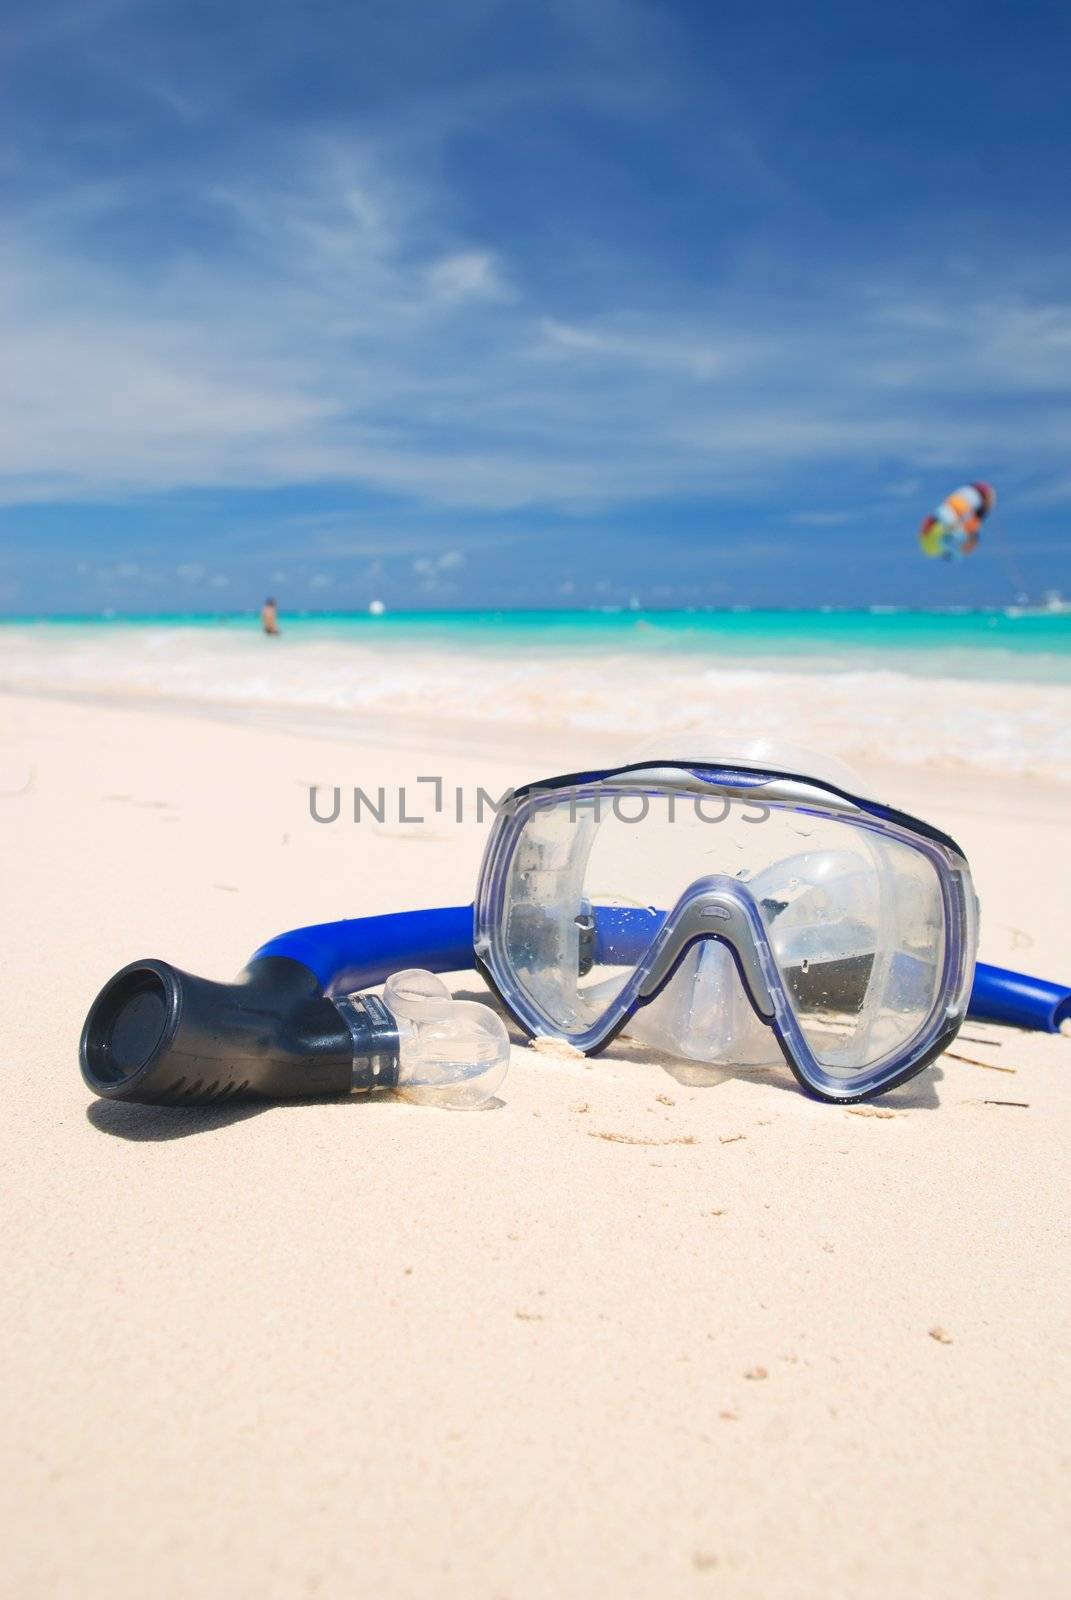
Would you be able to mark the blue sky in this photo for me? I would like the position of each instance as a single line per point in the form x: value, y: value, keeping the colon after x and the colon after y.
x: 490, y: 302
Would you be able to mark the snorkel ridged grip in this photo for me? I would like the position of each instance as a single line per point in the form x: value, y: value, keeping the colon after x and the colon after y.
x: 160, y: 1036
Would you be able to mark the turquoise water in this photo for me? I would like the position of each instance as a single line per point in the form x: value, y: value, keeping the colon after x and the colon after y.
x: 976, y: 644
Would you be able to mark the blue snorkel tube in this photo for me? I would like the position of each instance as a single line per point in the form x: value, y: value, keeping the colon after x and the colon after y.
x: 283, y: 1030
x: 1000, y: 995
x: 364, y: 951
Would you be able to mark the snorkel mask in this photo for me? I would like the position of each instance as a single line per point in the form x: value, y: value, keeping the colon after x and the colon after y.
x: 731, y: 911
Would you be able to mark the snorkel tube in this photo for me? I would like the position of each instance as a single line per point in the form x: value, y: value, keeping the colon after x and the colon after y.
x: 1018, y: 1001
x: 290, y: 1028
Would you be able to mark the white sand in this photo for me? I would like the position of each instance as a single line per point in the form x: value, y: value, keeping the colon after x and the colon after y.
x: 621, y: 1336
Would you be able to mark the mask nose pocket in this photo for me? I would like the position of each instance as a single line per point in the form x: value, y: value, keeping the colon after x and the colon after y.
x: 704, y: 1014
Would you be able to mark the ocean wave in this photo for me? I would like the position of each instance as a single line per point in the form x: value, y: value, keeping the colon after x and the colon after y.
x: 860, y: 712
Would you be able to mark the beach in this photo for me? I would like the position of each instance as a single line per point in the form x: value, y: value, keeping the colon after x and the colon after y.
x: 630, y: 1331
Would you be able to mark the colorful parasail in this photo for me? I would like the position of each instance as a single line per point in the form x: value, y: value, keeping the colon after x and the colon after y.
x: 952, y: 531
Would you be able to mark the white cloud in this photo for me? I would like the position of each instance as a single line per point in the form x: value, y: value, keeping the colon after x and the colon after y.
x: 346, y: 336
x: 470, y: 275
x: 432, y: 569
x: 432, y: 566
x: 666, y: 349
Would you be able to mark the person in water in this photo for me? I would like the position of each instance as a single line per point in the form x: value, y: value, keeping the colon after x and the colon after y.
x: 269, y: 617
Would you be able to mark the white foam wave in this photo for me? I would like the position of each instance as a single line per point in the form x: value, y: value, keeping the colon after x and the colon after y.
x: 862, y: 715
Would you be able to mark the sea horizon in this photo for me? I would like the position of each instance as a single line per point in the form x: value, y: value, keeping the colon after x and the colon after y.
x: 1055, y: 606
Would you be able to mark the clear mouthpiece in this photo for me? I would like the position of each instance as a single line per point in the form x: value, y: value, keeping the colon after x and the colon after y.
x: 450, y: 1052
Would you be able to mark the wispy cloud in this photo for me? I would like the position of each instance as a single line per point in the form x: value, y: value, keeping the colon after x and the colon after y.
x: 322, y: 333
x: 468, y: 275
x: 328, y: 341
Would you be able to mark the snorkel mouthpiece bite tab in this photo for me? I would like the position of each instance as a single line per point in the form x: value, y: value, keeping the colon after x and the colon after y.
x: 376, y: 1045
x: 425, y: 1045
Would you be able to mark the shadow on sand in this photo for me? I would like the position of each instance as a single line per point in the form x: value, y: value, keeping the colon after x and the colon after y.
x: 158, y: 1124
